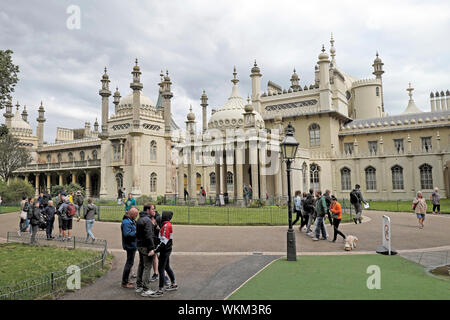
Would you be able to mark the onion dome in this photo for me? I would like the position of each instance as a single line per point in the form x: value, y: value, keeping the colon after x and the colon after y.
x: 255, y: 68
x: 191, y: 115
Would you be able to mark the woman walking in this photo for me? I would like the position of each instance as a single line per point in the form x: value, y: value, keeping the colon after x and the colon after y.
x: 89, y: 216
x: 336, y: 211
x: 298, y: 208
x: 420, y: 208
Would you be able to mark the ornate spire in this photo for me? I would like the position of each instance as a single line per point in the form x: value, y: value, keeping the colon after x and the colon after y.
x: 235, y: 80
x: 332, y: 51
x: 410, y: 90
x: 17, y: 106
x: 255, y: 69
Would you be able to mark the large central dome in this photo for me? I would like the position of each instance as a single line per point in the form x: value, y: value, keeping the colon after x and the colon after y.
x: 127, y: 102
x: 231, y: 115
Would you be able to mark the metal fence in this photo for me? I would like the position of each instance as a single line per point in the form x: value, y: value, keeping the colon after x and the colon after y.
x: 53, y: 283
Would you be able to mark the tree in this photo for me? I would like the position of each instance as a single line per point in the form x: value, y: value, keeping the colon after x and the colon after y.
x: 8, y: 77
x: 13, y: 192
x: 12, y: 156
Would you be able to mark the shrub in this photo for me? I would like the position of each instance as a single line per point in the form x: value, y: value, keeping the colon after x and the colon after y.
x: 16, y: 189
x: 258, y: 203
x: 73, y: 187
x: 160, y: 200
x: 143, y: 200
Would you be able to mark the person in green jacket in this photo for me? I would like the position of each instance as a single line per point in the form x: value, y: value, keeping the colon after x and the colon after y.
x: 131, y: 202
x: 321, y: 209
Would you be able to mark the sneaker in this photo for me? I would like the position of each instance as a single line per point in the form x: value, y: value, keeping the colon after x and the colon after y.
x: 139, y: 290
x: 18, y: 232
x: 154, y: 277
x: 69, y: 238
x: 134, y: 275
x: 354, y: 220
x: 172, y: 287
x: 315, y: 239
x: 147, y: 293
x: 157, y: 294
x: 359, y: 220
x: 323, y: 238
x: 128, y: 286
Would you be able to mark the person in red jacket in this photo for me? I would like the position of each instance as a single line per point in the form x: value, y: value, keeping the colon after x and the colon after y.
x: 336, y: 210
x: 165, y: 249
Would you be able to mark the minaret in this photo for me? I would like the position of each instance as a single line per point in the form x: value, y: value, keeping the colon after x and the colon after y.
x: 295, y: 82
x: 116, y: 99
x: 87, y: 129
x: 105, y: 93
x: 40, y: 126
x: 256, y: 87
x: 167, y: 96
x: 204, y: 104
x: 324, y: 80
x: 136, y: 86
x: 25, y: 114
x: 191, y: 172
x: 378, y: 72
x: 332, y: 51
x: 96, y: 126
x: 8, y: 114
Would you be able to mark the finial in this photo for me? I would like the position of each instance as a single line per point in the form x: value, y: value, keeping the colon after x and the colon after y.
x: 117, y: 88
x: 377, y: 54
x: 167, y: 72
x: 136, y: 61
x: 294, y: 69
x: 255, y: 63
x: 41, y: 104
x: 235, y: 80
x: 323, y: 48
x: 105, y: 70
x: 204, y: 92
x: 410, y: 90
x: 17, y: 105
x: 248, y: 98
x: 332, y: 40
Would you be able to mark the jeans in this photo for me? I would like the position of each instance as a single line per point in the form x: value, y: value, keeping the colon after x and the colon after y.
x: 23, y: 225
x: 358, y: 211
x: 34, y: 229
x: 144, y: 269
x: 49, y: 229
x: 131, y: 253
x: 316, y: 226
x: 308, y: 226
x: 336, y: 223
x: 320, y: 227
x: 164, y: 265
x: 89, y: 225
x: 299, y: 215
x: 79, y: 208
x: 27, y: 223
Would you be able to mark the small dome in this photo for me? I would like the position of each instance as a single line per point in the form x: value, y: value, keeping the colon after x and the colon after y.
x: 248, y: 108
x: 191, y: 116
x: 431, y: 95
x: 377, y: 59
x: 447, y: 93
x: 294, y: 76
x: 255, y: 68
x: 19, y: 126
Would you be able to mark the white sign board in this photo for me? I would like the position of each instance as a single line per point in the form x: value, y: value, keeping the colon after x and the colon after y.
x: 221, y: 199
x: 386, y: 233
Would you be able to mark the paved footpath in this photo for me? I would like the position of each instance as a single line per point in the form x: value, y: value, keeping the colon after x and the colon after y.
x: 210, y: 262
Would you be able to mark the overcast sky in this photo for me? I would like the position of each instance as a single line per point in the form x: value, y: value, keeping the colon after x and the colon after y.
x: 199, y: 42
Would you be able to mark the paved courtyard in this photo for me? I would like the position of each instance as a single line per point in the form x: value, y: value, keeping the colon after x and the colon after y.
x: 210, y: 262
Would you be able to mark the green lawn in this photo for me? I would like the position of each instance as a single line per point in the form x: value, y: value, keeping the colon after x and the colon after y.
x: 7, y: 209
x: 211, y: 215
x: 21, y: 261
x: 405, y: 206
x: 343, y: 278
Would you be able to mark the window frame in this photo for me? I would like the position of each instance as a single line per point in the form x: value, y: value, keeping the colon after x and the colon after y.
x: 398, y: 182
x: 371, y: 183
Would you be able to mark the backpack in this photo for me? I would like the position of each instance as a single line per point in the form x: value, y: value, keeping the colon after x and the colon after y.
x: 42, y: 222
x: 354, y: 199
x: 71, y: 210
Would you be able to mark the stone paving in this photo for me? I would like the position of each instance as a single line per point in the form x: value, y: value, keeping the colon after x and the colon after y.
x: 210, y: 262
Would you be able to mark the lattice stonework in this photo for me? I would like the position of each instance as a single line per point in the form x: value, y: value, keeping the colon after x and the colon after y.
x: 292, y: 105
x: 121, y: 126
x: 149, y: 126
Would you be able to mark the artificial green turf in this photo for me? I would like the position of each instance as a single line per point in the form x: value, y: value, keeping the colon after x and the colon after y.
x: 343, y: 278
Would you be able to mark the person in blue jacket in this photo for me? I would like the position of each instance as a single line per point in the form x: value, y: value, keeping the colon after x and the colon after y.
x: 128, y: 228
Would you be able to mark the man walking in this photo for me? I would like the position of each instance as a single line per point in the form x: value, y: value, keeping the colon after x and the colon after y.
x: 310, y: 208
x: 145, y: 247
x: 321, y: 209
x: 49, y: 213
x: 128, y: 228
x: 435, y: 198
x: 156, y: 224
x: 356, y: 198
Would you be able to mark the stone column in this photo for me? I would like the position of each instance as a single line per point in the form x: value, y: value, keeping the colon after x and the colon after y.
x: 60, y: 179
x: 412, y: 175
x: 217, y: 172
x: 262, y: 168
x: 192, y: 178
x: 180, y: 183
x: 37, y: 184
x: 223, y: 169
x: 278, y: 181
x: 49, y: 183
x: 88, y: 183
x: 239, y: 182
x: 284, y: 193
x: 74, y: 177
x: 136, y: 185
x: 103, y: 166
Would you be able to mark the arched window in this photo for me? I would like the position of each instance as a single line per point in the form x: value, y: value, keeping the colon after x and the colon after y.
x: 397, y: 178
x: 377, y: 91
x: 314, y: 135
x: 70, y: 155
x: 314, y: 180
x: 119, y: 181
x: 49, y: 158
x: 346, y: 182
x: 82, y: 155
x: 212, y: 179
x: 153, y: 150
x: 198, y: 181
x: 371, y: 178
x: 426, y: 177
x: 185, y: 181
x: 59, y: 157
x: 94, y: 155
x: 153, y: 182
x: 229, y: 179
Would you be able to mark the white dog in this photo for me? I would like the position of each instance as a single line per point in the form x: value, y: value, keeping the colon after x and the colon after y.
x: 350, y: 243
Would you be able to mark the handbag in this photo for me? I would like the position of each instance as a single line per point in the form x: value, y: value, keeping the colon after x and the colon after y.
x: 23, y: 215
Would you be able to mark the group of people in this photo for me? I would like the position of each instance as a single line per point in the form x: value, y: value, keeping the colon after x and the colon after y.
x: 152, y: 237
x: 41, y: 213
x: 317, y: 207
x: 419, y: 205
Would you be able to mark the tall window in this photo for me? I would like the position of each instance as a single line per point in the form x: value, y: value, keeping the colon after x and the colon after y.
x: 314, y: 181
x: 229, y: 179
x: 153, y: 182
x: 373, y: 147
x: 426, y: 144
x: 198, y: 181
x: 82, y: 155
x: 371, y: 178
x: 348, y: 148
x: 49, y: 158
x: 314, y: 135
x: 212, y: 179
x: 398, y: 145
x: 59, y: 157
x: 94, y: 154
x: 70, y: 155
x: 119, y: 181
x: 116, y: 151
x: 346, y: 182
x: 153, y: 150
x: 426, y: 177
x: 397, y: 178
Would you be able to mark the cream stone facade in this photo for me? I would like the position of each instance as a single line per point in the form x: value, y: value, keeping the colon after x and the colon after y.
x: 346, y: 137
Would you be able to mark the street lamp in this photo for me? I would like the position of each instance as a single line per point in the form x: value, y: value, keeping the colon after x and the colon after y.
x: 289, y: 148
